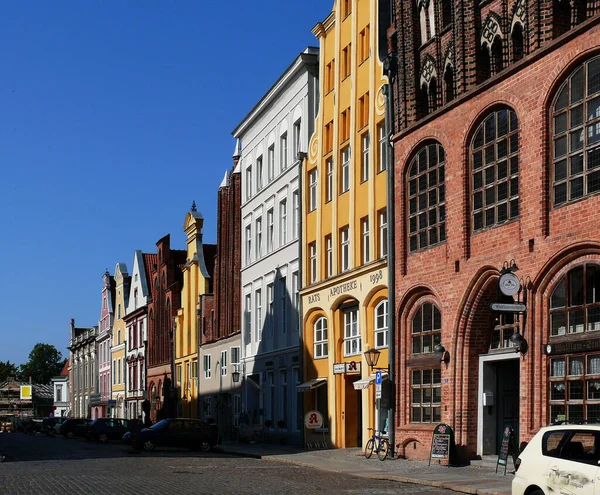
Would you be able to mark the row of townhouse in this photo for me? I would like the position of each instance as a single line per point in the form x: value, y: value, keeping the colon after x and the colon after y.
x: 417, y: 207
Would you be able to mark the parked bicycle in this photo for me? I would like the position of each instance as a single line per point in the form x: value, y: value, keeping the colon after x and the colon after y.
x: 378, y: 444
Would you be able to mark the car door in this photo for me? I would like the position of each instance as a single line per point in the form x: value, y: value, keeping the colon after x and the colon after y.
x: 575, y: 470
x: 178, y: 433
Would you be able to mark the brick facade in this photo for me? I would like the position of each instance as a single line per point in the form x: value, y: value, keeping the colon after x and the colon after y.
x: 460, y: 274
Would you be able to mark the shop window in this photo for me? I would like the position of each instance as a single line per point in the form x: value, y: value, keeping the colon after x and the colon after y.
x: 381, y: 324
x: 576, y: 135
x: 495, y: 170
x: 427, y: 198
x: 575, y: 302
x: 426, y: 395
x: 352, y: 338
x: 320, y: 328
x: 426, y: 329
x: 575, y: 388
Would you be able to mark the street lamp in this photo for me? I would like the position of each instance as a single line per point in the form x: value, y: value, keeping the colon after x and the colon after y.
x: 235, y: 376
x: 372, y: 357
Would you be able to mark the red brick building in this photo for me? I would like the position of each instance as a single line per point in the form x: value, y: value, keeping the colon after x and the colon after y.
x: 165, y: 286
x: 496, y: 135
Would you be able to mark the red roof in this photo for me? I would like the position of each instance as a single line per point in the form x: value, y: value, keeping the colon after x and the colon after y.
x: 65, y: 370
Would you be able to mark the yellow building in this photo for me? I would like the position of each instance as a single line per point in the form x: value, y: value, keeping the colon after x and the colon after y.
x: 344, y: 298
x: 197, y: 281
x: 119, y: 365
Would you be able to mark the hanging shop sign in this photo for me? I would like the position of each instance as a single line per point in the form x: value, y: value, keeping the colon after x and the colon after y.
x: 508, y: 307
x: 509, y: 284
x: 349, y: 367
x: 313, y: 420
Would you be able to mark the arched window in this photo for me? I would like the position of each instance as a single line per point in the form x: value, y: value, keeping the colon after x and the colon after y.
x: 427, y: 198
x: 561, y: 17
x: 426, y: 383
x: 576, y: 135
x: 381, y: 324
x: 497, y: 62
x: 575, y: 377
x: 448, y: 84
x: 320, y: 339
x: 446, y: 9
x: 495, y: 170
x: 517, y: 42
x: 432, y: 96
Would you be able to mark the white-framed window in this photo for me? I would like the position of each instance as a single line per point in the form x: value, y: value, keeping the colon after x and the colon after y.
x: 258, y: 312
x: 249, y: 182
x: 194, y: 370
x: 259, y: 173
x: 283, y: 298
x: 313, y: 261
x: 381, y: 324
x: 383, y: 233
x: 329, y: 185
x: 248, y: 244
x: 296, y: 296
x: 283, y: 150
x: 224, y: 363
x: 207, y: 366
x: 270, y: 230
x: 234, y: 354
x: 329, y: 255
x: 345, y: 249
x: 352, y: 338
x: 295, y: 215
x: 271, y: 162
x: 364, y: 226
x: 312, y: 190
x: 365, y: 157
x: 345, y: 184
x: 248, y: 321
x: 383, y: 150
x: 283, y: 222
x: 270, y: 311
x: 320, y: 344
x: 297, y: 138
x: 258, y: 245
x: 179, y: 374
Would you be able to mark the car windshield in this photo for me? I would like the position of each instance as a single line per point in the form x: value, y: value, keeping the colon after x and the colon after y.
x: 160, y: 424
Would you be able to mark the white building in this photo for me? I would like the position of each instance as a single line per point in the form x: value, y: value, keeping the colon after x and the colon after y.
x: 273, y: 135
x: 60, y: 384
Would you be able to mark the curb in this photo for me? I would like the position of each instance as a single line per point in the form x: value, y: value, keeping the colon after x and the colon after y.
x: 384, y: 477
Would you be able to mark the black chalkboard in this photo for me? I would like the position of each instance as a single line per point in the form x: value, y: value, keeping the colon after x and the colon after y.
x: 506, y: 447
x: 441, y: 442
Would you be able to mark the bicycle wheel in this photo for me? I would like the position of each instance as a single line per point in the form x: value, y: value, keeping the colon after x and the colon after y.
x: 369, y: 448
x: 382, y: 452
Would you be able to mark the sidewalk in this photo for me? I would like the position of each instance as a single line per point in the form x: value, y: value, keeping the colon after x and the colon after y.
x: 466, y: 479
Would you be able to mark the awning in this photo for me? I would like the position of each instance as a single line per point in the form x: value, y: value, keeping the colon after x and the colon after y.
x: 366, y: 382
x: 311, y: 384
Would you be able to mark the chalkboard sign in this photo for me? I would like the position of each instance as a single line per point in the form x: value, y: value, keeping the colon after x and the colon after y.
x: 506, y: 447
x: 441, y: 442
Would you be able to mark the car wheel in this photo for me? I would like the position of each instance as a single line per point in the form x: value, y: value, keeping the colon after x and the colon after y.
x: 148, y: 445
x: 205, y: 445
x: 103, y: 437
x: 70, y: 434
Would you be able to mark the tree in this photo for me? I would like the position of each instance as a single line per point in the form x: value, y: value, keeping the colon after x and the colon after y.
x: 7, y: 369
x: 45, y: 361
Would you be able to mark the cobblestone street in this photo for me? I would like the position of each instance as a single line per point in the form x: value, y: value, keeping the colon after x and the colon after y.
x: 46, y: 465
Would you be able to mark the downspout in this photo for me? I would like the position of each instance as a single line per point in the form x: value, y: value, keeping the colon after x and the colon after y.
x: 303, y: 157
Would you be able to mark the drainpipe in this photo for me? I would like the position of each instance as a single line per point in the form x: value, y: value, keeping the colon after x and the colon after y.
x: 303, y: 157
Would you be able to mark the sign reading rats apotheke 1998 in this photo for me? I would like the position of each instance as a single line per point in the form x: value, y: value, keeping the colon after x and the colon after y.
x: 572, y: 346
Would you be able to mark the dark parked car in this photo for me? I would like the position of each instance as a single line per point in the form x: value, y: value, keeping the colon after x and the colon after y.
x: 74, y: 427
x: 177, y: 432
x: 105, y: 429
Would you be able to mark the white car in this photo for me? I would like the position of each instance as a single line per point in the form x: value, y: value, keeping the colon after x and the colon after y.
x: 560, y: 459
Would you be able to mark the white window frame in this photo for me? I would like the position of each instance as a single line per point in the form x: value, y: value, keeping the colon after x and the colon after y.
x: 271, y: 162
x: 296, y: 297
x: 345, y: 170
x: 295, y: 214
x: 329, y: 252
x: 366, y: 140
x: 283, y: 303
x: 259, y: 173
x: 381, y: 324
x: 297, y: 136
x: 345, y: 248
x: 352, y: 337
x: 248, y: 322
x: 258, y: 245
x: 235, y: 357
x: 364, y: 226
x: 329, y: 192
x: 383, y: 233
x: 270, y: 309
x: 270, y: 230
x: 248, y: 181
x: 321, y: 350
x: 258, y: 313
x: 224, y: 363
x: 248, y: 244
x: 382, y: 148
x: 312, y: 188
x: 283, y: 150
x: 313, y: 262
x: 207, y: 366
x: 283, y: 222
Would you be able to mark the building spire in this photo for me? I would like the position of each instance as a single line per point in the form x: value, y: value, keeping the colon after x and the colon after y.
x: 193, y: 208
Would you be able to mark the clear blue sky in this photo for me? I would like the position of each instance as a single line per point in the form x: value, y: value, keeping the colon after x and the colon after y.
x: 105, y: 108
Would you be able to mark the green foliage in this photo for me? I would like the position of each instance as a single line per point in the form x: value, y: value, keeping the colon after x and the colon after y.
x: 45, y: 362
x: 7, y: 369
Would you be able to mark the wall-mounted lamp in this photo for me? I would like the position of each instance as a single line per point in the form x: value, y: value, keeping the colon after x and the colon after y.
x: 444, y: 354
x: 235, y: 377
x: 519, y: 343
x: 372, y: 357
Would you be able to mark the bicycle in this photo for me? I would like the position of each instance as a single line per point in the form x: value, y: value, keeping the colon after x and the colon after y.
x: 378, y: 444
